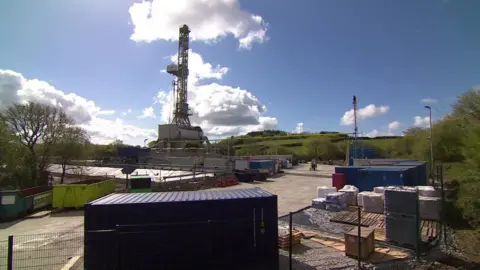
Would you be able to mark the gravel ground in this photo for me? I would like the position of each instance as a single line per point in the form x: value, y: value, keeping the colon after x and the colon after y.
x: 318, y: 220
x: 313, y: 255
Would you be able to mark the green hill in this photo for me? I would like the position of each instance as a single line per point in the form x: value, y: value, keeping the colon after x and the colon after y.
x: 325, y: 144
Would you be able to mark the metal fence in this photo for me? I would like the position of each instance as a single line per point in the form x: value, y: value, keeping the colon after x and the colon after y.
x: 41, y: 251
x: 3, y: 254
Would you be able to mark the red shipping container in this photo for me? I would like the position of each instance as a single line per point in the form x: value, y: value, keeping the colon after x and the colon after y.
x: 338, y: 180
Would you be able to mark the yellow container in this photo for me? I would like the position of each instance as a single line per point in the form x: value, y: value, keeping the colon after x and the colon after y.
x: 78, y: 194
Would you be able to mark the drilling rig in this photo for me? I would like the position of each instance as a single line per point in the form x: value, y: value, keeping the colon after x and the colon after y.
x: 176, y: 133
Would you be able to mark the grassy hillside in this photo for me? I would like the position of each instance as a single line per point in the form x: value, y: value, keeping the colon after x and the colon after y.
x: 328, y: 145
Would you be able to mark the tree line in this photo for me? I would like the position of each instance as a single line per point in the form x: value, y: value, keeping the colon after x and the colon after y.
x: 33, y: 136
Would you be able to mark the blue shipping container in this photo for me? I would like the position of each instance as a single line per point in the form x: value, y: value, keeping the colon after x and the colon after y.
x: 352, y: 174
x: 374, y: 176
x: 263, y: 166
x: 362, y: 153
x: 190, y: 230
x: 421, y: 170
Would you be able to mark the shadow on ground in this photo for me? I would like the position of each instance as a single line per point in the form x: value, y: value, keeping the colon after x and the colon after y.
x: 260, y: 182
x: 8, y: 224
x: 278, y: 175
x: 284, y: 264
x: 67, y: 213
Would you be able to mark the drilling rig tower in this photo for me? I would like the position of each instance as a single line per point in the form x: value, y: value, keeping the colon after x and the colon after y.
x: 179, y: 130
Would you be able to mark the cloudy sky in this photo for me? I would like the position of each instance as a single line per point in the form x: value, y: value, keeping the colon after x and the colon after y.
x: 254, y: 65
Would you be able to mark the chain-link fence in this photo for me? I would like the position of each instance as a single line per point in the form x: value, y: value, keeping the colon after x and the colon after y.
x: 3, y: 254
x: 41, y: 251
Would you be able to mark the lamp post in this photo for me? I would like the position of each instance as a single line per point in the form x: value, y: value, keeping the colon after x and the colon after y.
x: 431, y: 142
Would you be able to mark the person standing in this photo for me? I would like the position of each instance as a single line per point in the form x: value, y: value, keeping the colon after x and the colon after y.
x: 314, y: 164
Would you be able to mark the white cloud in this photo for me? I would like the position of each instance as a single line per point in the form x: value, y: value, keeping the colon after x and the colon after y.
x: 298, y: 128
x: 419, y: 121
x: 107, y: 112
x: 429, y: 100
x: 372, y: 134
x: 148, y: 113
x: 105, y: 131
x: 393, y: 126
x: 209, y: 21
x: 220, y: 110
x: 14, y: 88
x: 127, y: 112
x: 363, y: 113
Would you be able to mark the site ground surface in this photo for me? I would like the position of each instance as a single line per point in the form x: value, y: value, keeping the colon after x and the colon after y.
x: 56, y: 240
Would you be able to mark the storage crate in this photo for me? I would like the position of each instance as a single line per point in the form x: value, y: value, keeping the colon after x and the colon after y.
x: 367, y: 244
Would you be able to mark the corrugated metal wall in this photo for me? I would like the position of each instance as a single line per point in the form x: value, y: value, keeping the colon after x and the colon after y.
x: 231, y: 229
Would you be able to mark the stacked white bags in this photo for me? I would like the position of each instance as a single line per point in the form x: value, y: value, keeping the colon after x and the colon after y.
x: 430, y: 208
x: 373, y: 202
x: 336, y: 201
x: 427, y: 191
x: 379, y: 190
x: 318, y: 203
x: 324, y: 190
x: 360, y: 196
x: 351, y: 192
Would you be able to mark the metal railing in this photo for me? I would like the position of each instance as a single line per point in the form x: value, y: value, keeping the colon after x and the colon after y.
x: 41, y: 251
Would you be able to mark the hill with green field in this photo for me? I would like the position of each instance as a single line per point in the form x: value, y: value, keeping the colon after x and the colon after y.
x: 325, y: 144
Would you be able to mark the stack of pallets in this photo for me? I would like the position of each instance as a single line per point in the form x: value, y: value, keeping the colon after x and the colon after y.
x: 284, y: 239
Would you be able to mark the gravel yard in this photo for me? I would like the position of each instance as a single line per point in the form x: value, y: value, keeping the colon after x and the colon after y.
x: 294, y: 192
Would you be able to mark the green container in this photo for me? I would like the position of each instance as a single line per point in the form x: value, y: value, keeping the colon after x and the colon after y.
x: 75, y: 195
x: 18, y: 203
x: 140, y: 184
x: 141, y: 190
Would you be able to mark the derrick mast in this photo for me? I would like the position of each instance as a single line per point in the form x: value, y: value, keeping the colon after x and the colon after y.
x: 181, y: 111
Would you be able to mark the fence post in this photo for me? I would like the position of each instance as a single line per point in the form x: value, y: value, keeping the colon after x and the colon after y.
x: 444, y: 212
x: 10, y: 253
x: 359, y: 240
x: 418, y: 229
x: 290, y: 222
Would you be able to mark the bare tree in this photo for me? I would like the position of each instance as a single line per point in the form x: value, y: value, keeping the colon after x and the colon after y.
x: 70, y: 145
x: 37, y: 127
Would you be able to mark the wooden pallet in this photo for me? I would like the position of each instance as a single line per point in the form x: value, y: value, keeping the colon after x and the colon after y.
x: 351, y: 218
x: 284, y: 240
x: 285, y: 245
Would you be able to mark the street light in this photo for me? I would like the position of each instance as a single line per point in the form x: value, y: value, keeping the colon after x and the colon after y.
x: 431, y: 141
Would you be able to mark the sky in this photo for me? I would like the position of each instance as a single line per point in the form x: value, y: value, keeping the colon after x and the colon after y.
x: 254, y: 65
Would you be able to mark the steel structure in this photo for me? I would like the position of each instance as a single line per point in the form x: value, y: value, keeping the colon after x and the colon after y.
x: 355, y: 127
x: 181, y: 111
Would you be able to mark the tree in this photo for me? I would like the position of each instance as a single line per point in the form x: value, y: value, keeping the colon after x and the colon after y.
x: 37, y: 127
x: 467, y: 106
x: 152, y: 143
x: 12, y: 157
x: 71, y: 144
x: 314, y: 147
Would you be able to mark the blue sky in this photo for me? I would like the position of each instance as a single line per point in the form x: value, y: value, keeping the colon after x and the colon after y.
x: 304, y: 65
